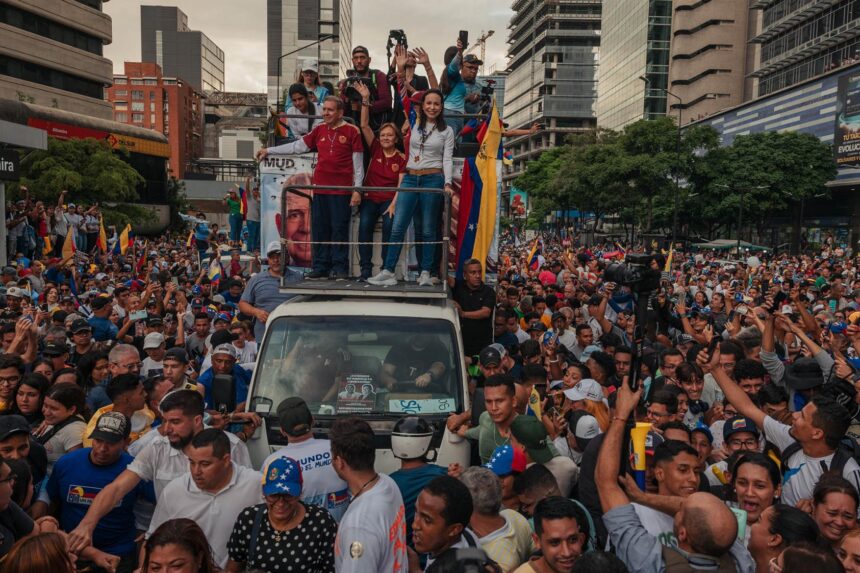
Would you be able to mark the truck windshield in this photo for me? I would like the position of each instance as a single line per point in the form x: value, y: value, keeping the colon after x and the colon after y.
x: 360, y: 365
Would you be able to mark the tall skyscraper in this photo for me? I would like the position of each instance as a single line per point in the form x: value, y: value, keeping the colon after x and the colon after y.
x: 51, y: 55
x: 798, y: 40
x: 291, y: 24
x: 166, y: 40
x: 709, y: 57
x: 553, y: 57
x: 635, y: 43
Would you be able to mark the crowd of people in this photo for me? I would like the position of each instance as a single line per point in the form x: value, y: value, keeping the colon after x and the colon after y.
x: 115, y: 457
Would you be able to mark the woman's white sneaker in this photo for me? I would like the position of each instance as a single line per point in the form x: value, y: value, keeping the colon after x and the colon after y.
x: 384, y: 278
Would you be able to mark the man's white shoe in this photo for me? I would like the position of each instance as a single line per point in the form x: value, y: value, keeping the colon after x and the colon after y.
x: 424, y: 279
x: 384, y: 278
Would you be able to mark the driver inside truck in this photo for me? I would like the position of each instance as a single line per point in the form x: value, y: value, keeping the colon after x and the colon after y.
x: 417, y: 363
x: 315, y: 366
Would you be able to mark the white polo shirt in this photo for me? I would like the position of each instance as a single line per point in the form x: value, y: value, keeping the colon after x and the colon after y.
x: 215, y: 513
x: 161, y: 463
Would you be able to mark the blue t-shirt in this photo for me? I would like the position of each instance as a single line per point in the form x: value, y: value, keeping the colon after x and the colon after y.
x: 103, y: 329
x: 456, y: 98
x: 74, y: 483
x: 410, y: 483
x: 242, y: 377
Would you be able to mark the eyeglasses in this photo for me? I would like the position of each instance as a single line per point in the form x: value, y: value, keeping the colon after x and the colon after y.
x: 10, y: 381
x: 277, y: 498
x: 10, y: 479
x: 743, y: 443
x: 654, y: 414
x: 131, y: 366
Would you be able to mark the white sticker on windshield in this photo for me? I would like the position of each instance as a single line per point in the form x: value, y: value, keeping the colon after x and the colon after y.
x: 262, y: 408
x: 430, y: 406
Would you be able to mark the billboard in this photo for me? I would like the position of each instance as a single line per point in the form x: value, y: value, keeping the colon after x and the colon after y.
x: 519, y: 203
x: 846, y: 132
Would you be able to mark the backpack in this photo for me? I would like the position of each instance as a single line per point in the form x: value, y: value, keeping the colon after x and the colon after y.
x: 676, y: 562
x: 848, y: 449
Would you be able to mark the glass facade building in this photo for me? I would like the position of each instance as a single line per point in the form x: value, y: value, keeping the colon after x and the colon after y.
x: 553, y: 58
x: 636, y: 37
x: 801, y: 39
x: 294, y: 23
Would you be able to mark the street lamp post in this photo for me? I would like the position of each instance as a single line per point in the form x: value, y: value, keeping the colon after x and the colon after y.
x: 321, y: 39
x: 677, y: 159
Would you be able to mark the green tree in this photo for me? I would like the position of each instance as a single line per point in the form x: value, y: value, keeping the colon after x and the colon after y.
x: 92, y: 172
x: 538, y: 181
x: 177, y: 201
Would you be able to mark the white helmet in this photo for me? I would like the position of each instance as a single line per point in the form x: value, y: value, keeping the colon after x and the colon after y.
x: 411, y: 437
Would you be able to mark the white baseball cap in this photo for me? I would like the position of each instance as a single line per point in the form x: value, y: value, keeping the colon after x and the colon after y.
x: 273, y: 247
x: 153, y: 340
x: 586, y: 428
x: 226, y: 348
x: 586, y: 389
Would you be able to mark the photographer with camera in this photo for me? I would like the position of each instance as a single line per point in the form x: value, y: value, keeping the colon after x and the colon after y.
x: 377, y: 83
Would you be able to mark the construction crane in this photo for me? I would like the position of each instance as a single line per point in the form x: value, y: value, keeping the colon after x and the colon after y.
x: 482, y: 42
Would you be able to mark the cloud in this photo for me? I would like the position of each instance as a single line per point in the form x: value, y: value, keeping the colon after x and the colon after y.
x: 239, y: 28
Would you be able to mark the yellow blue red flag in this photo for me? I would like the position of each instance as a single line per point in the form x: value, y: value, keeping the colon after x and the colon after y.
x: 476, y: 223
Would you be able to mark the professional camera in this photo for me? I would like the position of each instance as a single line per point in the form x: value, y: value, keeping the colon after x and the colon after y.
x: 635, y: 272
x: 350, y: 82
x: 397, y: 37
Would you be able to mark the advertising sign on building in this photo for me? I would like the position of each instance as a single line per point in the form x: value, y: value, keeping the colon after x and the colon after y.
x: 846, y: 132
x: 519, y: 203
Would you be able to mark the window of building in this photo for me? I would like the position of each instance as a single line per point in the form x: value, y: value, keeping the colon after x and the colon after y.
x: 136, y: 82
x: 137, y: 106
x: 120, y: 105
x: 51, y: 77
x: 137, y: 117
x: 152, y: 119
x: 41, y: 26
x: 151, y: 82
x: 121, y: 116
x: 136, y: 94
x: 120, y: 81
x: 120, y: 93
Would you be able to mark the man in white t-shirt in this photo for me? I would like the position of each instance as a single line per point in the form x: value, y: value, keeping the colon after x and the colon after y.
x: 817, y: 428
x: 372, y: 533
x: 320, y: 483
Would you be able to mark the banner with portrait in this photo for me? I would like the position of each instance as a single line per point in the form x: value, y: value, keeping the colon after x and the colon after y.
x: 846, y: 132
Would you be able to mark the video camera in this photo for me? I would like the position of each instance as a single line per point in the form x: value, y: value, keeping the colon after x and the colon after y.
x: 635, y: 272
x: 352, y: 93
x: 397, y: 38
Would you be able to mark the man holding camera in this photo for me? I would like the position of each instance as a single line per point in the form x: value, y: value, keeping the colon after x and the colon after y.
x: 377, y: 83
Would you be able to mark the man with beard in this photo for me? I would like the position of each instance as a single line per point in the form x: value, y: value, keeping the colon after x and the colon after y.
x: 163, y: 460
x: 262, y: 294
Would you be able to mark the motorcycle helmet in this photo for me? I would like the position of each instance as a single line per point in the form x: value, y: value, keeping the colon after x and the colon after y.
x: 411, y: 437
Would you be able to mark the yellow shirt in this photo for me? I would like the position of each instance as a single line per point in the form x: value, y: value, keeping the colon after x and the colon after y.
x: 141, y: 423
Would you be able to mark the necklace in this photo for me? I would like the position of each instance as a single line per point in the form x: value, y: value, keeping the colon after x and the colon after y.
x: 424, y: 135
x: 280, y: 533
x: 367, y: 483
x: 332, y: 133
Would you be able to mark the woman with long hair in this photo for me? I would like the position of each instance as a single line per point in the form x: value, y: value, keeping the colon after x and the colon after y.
x: 93, y: 374
x: 849, y: 551
x: 29, y: 398
x: 430, y: 165
x: 310, y: 78
x: 178, y: 546
x: 834, y: 507
x: 44, y: 367
x: 779, y: 527
x: 65, y: 413
x: 39, y: 554
x: 386, y: 169
x: 301, y: 105
x: 804, y: 557
x: 756, y: 485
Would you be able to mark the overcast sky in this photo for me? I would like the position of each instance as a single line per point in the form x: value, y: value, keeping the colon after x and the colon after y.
x: 239, y: 28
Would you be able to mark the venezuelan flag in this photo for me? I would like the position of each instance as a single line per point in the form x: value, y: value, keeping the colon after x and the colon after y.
x: 476, y: 223
x: 69, y: 245
x: 124, y: 242
x: 534, y: 254
x: 141, y: 259
x: 46, y: 250
x: 215, y: 271
x: 102, y: 241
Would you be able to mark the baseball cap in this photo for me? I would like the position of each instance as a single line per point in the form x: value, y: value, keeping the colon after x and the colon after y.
x: 685, y: 339
x: 54, y: 349
x: 12, y: 424
x: 537, y: 325
x: 177, y: 354
x: 197, y: 303
x: 15, y: 292
x: 506, y: 459
x: 472, y: 59
x: 739, y: 424
x: 222, y: 316
x: 556, y: 385
x: 101, y: 301
x: 273, y: 247
x: 59, y: 316
x: 490, y: 356
x: 588, y: 351
x: 705, y: 430
x: 101, y: 277
x: 227, y: 349
x: 221, y: 337
x: 652, y: 440
x: 283, y: 475
x: 111, y: 427
x: 153, y: 340
x: 530, y: 432
x: 154, y: 320
x: 295, y: 416
x: 360, y: 50
x: 584, y: 426
x: 585, y: 389
x: 557, y: 315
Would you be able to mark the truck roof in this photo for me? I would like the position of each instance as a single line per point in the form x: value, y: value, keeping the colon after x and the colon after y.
x: 356, y: 306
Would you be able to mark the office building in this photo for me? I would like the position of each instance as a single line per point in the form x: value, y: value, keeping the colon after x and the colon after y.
x: 552, y: 62
x: 708, y: 57
x: 166, y: 39
x: 144, y: 97
x: 291, y: 24
x: 800, y: 39
x: 51, y: 55
x: 635, y: 38
x: 234, y: 122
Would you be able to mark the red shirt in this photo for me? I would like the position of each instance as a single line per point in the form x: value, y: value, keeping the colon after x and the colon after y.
x: 334, y: 149
x: 383, y: 172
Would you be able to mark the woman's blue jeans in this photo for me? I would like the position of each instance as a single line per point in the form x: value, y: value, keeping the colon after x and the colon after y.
x: 423, y: 209
x: 369, y: 214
